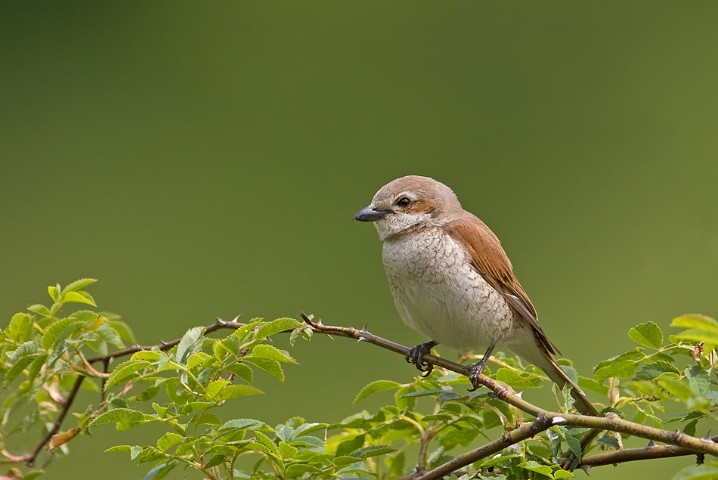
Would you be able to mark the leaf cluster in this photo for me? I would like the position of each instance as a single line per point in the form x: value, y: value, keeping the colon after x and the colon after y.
x: 47, y: 354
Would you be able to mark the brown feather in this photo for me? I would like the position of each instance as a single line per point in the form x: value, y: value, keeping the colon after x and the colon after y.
x: 490, y: 260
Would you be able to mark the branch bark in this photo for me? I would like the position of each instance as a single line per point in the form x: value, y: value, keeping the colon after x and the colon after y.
x: 633, y: 454
x: 32, y: 456
x: 525, y: 431
x: 692, y: 444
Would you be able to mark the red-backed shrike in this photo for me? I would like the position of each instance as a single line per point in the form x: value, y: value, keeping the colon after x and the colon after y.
x: 452, y: 280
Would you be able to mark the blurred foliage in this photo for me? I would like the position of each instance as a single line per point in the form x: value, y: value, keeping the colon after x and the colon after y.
x: 182, y: 385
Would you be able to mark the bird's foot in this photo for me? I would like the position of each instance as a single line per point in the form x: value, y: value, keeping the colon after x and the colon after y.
x: 415, y: 356
x: 475, y: 370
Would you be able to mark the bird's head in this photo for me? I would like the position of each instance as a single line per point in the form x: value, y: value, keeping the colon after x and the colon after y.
x: 410, y: 203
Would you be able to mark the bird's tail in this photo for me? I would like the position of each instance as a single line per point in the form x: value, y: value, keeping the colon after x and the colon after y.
x: 561, y: 378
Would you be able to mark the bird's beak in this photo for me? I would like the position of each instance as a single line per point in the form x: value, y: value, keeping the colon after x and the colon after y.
x: 370, y: 214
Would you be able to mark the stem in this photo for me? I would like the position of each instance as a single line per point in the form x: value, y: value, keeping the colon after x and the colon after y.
x: 219, y: 324
x: 32, y: 456
x: 542, y: 422
x: 633, y: 454
x: 614, y: 423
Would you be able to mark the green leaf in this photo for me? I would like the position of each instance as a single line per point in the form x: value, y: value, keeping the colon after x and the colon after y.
x: 191, y: 407
x: 33, y: 370
x: 536, y: 467
x: 376, y: 387
x: 198, y: 359
x: 17, y: 367
x: 518, y: 380
x: 225, y: 348
x: 647, y: 334
x: 151, y: 355
x: 707, y: 471
x: 694, y: 320
x: 302, y: 331
x: 592, y: 385
x: 674, y: 386
x: 276, y: 326
x: 119, y: 448
x: 267, y: 364
x: 59, y: 330
x: 190, y: 343
x: 206, y: 419
x: 343, y: 460
x: 53, y: 291
x: 498, y: 460
x: 123, y: 418
x: 286, y: 450
x: 169, y: 440
x: 698, y: 379
x: 267, y: 442
x: 243, y: 371
x: 79, y: 297
x: 701, y: 328
x: 296, y: 470
x: 348, y: 446
x: 150, y: 454
x: 39, y: 309
x: 124, y: 371
x: 268, y: 351
x: 79, y: 284
x: 373, y: 451
x: 160, y: 471
x: 239, y: 424
x: 621, y: 366
x: 653, y: 370
x: 424, y: 393
x: 561, y: 474
x: 20, y: 328
x: 27, y: 348
x: 215, y: 460
x: 234, y: 391
x: 214, y: 387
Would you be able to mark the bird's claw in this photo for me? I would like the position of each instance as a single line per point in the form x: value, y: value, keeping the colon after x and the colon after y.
x: 415, y: 356
x: 474, y: 371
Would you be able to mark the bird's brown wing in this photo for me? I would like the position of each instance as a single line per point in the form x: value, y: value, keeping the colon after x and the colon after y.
x: 490, y: 260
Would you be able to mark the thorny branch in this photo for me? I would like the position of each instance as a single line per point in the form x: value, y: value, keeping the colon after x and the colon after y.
x: 678, y: 443
x: 681, y: 443
x: 525, y: 431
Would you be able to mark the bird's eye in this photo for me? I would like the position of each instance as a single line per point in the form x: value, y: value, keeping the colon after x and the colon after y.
x: 403, y: 202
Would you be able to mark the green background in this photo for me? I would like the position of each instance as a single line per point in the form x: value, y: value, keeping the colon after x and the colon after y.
x: 205, y: 159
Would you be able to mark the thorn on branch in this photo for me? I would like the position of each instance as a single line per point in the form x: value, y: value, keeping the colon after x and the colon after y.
x: 697, y: 352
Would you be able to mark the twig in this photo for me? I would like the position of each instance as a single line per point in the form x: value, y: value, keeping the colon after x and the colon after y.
x: 633, y: 454
x: 542, y: 422
x: 218, y: 324
x: 604, y: 423
x: 32, y: 456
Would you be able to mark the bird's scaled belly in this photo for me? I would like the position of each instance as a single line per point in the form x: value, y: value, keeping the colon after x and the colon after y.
x: 456, y: 316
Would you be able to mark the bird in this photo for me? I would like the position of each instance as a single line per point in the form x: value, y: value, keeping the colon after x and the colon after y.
x: 453, y: 282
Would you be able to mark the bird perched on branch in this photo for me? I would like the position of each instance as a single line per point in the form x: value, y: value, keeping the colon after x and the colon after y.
x: 452, y: 281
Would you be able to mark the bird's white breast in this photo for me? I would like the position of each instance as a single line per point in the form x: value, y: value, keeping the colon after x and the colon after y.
x: 439, y: 293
